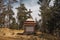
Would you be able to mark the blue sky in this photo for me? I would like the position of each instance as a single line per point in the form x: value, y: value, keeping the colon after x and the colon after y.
x: 30, y: 4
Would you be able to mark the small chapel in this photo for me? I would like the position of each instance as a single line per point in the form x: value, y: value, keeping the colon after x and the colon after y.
x: 29, y: 26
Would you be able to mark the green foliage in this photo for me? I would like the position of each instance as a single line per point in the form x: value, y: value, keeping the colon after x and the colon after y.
x: 14, y: 26
x: 50, y: 16
x: 1, y: 13
x: 5, y: 12
x: 45, y: 13
x: 54, y: 21
x: 22, y: 14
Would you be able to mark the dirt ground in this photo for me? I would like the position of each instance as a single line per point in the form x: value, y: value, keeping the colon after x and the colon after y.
x: 28, y: 37
x: 22, y: 37
x: 8, y: 35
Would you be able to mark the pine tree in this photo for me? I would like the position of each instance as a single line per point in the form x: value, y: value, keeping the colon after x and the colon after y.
x: 2, y: 16
x: 14, y: 25
x: 54, y: 22
x: 56, y: 16
x: 45, y: 13
x: 9, y: 13
x: 22, y: 14
x: 51, y: 16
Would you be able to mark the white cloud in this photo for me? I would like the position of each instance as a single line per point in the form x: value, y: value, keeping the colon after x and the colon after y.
x: 52, y: 3
x: 30, y: 4
x: 34, y: 7
x: 35, y: 11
